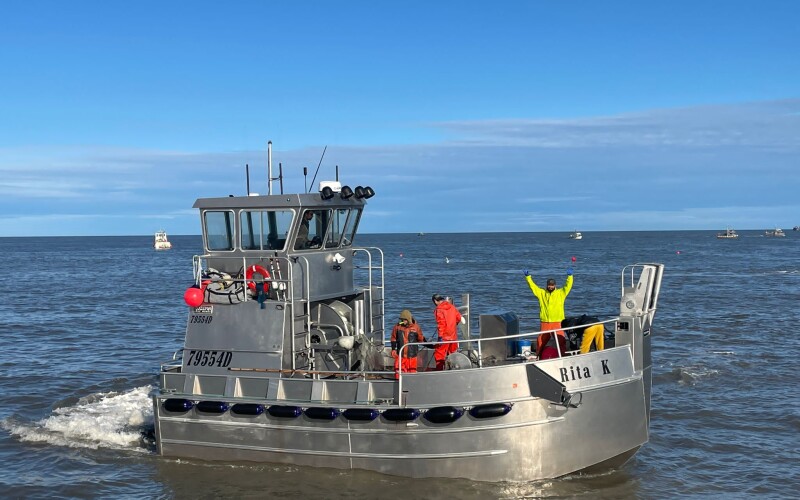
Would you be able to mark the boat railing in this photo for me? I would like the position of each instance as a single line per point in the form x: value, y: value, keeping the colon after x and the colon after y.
x: 284, y: 285
x: 506, y: 338
x: 371, y: 285
x: 174, y: 364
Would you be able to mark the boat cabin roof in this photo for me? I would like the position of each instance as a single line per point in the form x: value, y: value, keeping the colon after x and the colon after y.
x: 276, y: 201
x: 274, y: 223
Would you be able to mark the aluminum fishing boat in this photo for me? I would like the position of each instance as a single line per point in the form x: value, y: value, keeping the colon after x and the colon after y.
x: 285, y: 361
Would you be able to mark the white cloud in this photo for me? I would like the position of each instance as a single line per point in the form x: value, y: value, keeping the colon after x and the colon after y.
x: 682, y: 168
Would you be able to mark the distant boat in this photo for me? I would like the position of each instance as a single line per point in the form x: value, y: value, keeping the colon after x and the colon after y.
x: 420, y: 234
x: 729, y: 234
x: 796, y: 228
x: 575, y: 236
x: 777, y: 232
x: 161, y: 242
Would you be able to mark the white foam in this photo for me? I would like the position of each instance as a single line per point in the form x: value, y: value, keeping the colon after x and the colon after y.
x: 691, y: 374
x: 109, y: 420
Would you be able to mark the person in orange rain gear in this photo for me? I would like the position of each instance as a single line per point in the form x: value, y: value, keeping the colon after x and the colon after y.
x: 551, y: 308
x: 447, y: 320
x: 404, y: 332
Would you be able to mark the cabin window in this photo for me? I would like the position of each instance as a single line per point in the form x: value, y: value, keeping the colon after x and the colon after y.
x: 342, y: 227
x: 219, y: 230
x: 349, y: 232
x: 265, y: 229
x: 313, y: 225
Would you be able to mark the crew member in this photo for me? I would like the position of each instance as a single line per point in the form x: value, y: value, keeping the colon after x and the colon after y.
x: 447, y: 320
x: 591, y: 334
x: 551, y: 308
x: 406, y: 331
x: 302, y: 233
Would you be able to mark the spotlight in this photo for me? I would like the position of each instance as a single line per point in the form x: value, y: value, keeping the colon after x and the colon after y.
x: 326, y: 193
x: 369, y: 192
x: 359, y: 192
x: 346, y: 192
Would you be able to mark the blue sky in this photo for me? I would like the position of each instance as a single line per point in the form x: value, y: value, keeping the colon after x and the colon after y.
x: 463, y: 116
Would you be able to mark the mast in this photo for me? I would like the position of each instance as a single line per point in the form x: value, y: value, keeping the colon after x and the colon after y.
x: 269, y: 167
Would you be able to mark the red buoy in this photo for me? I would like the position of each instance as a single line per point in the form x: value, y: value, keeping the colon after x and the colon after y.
x: 193, y: 296
x: 573, y: 258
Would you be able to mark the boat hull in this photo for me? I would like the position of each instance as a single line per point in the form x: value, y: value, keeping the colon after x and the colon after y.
x: 537, y: 439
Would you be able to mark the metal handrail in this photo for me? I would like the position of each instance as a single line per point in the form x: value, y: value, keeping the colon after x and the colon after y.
x: 382, y: 285
x: 504, y: 338
x: 198, y: 268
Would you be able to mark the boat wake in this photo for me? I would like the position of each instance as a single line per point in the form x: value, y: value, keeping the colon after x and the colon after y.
x: 685, y: 375
x: 109, y: 420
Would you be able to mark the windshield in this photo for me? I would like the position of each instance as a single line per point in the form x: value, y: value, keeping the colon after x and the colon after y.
x: 265, y: 229
x: 313, y: 226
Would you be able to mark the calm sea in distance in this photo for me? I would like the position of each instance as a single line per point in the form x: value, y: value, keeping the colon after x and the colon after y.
x: 86, y: 322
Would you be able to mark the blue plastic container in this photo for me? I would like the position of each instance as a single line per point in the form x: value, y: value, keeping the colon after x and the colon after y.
x: 524, y: 347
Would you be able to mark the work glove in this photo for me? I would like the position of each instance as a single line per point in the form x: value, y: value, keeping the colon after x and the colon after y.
x: 394, y: 354
x: 569, y: 271
x: 527, y: 273
x: 463, y: 320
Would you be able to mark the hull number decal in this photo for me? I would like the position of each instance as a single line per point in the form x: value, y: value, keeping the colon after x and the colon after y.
x: 221, y: 359
x: 201, y: 319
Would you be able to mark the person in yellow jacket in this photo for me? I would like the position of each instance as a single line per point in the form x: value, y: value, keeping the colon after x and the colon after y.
x: 551, y: 307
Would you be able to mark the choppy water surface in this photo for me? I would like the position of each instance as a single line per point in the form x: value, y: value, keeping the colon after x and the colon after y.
x: 86, y: 321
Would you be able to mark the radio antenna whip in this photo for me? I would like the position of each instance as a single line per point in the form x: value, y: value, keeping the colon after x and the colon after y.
x: 318, y: 164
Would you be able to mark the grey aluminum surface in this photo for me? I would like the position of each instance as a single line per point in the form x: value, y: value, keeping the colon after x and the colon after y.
x: 578, y: 412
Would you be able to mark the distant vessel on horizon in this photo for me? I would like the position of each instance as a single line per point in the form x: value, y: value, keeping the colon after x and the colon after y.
x: 575, y: 236
x: 777, y: 232
x: 729, y: 234
x: 160, y: 241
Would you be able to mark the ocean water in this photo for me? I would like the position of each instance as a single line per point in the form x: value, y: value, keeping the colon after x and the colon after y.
x: 85, y: 323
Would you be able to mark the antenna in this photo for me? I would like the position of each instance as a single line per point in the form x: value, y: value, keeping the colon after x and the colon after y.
x: 280, y: 175
x: 318, y: 164
x: 305, y: 178
x: 269, y: 167
x: 247, y: 170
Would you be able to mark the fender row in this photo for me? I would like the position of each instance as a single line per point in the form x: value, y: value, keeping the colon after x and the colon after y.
x: 438, y: 415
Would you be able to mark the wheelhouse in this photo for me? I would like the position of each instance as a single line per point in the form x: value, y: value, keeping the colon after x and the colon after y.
x: 278, y: 224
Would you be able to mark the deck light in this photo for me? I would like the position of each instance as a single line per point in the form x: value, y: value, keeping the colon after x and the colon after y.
x: 326, y: 193
x: 346, y: 193
x: 368, y: 192
x: 359, y: 192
